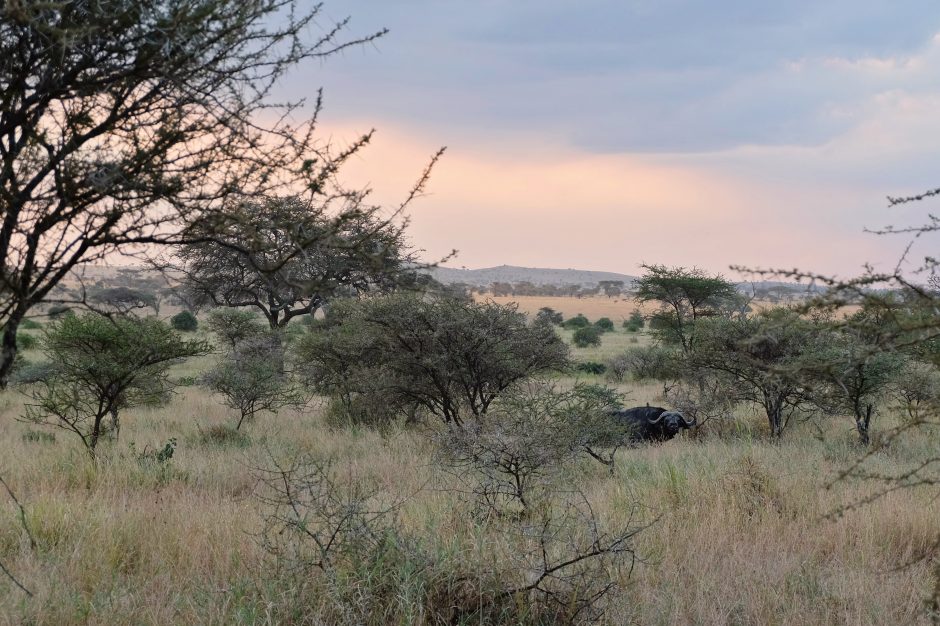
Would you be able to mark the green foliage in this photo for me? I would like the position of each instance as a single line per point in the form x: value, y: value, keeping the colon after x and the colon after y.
x: 586, y: 337
x: 135, y: 122
x: 849, y: 372
x: 758, y: 360
x: 38, y: 436
x: 223, y: 435
x: 916, y: 387
x: 549, y: 315
x: 450, y: 357
x: 316, y: 256
x: 156, y: 457
x: 124, y: 299
x: 57, y: 311
x: 234, y: 325
x: 635, y: 322
x: 25, y: 341
x: 604, y: 324
x: 578, y: 321
x: 251, y: 379
x: 644, y: 363
x: 591, y: 367
x: 29, y: 324
x: 99, y: 366
x: 686, y: 296
x: 184, y: 321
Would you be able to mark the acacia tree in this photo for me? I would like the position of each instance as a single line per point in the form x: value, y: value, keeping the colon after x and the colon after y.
x: 449, y: 356
x: 123, y: 122
x: 251, y: 379
x: 686, y: 295
x: 123, y: 300
x: 99, y: 366
x: 855, y: 371
x: 234, y: 325
x: 287, y: 256
x: 755, y: 360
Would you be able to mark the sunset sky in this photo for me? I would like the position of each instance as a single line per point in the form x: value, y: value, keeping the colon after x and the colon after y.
x: 602, y: 134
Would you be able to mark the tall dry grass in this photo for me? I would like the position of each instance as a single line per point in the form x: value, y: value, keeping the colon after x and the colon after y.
x: 738, y: 534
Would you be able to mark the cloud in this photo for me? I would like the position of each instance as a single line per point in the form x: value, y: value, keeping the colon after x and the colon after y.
x: 623, y: 76
x: 602, y: 134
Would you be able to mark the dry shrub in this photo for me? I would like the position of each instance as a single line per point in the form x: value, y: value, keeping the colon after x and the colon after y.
x: 223, y: 435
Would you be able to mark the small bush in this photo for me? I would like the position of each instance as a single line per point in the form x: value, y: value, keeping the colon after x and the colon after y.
x: 549, y: 315
x: 591, y: 367
x: 587, y: 336
x: 184, y: 321
x: 58, y: 311
x: 156, y: 456
x: 29, y: 324
x: 38, y: 436
x: 604, y: 324
x: 578, y: 321
x: 649, y: 362
x: 25, y: 341
x: 636, y: 320
x: 157, y: 463
x: 224, y: 435
x: 187, y: 381
x: 632, y: 327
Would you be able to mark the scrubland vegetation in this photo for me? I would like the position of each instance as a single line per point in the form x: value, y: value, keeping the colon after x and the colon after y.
x: 180, y: 519
x: 315, y: 431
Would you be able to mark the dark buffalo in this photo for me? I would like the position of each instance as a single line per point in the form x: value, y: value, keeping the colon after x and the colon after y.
x: 652, y: 423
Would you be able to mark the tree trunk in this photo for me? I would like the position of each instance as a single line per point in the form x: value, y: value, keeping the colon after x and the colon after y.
x: 95, y: 435
x: 8, y: 348
x: 862, y: 424
x: 115, y: 424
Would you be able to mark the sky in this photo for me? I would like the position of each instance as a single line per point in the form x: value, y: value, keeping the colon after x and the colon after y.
x: 603, y: 134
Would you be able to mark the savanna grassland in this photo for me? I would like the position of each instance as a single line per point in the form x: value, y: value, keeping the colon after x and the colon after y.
x: 736, y: 528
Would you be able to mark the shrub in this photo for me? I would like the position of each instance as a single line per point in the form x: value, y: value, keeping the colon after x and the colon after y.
x: 549, y: 315
x: 917, y: 387
x: 223, y: 435
x: 30, y: 324
x: 578, y: 321
x: 635, y: 321
x: 234, y: 325
x: 252, y: 379
x: 38, y: 436
x: 587, y: 336
x: 591, y: 367
x: 450, y: 357
x: 604, y: 324
x: 648, y: 362
x: 25, y: 341
x: 99, y: 366
x: 184, y: 321
x: 58, y: 311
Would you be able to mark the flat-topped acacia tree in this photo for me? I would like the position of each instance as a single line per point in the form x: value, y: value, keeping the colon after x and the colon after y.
x: 123, y: 123
x: 286, y: 257
x: 686, y: 296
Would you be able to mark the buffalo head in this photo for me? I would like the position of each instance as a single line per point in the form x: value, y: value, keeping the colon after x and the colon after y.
x: 671, y: 422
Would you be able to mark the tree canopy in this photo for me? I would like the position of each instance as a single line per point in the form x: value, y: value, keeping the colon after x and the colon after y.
x: 686, y: 295
x: 288, y: 256
x: 100, y: 365
x: 122, y: 123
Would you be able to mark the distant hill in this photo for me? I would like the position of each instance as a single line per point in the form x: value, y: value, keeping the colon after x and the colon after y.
x: 534, y: 275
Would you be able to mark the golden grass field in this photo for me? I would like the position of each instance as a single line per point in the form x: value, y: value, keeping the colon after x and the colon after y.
x: 738, y: 534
